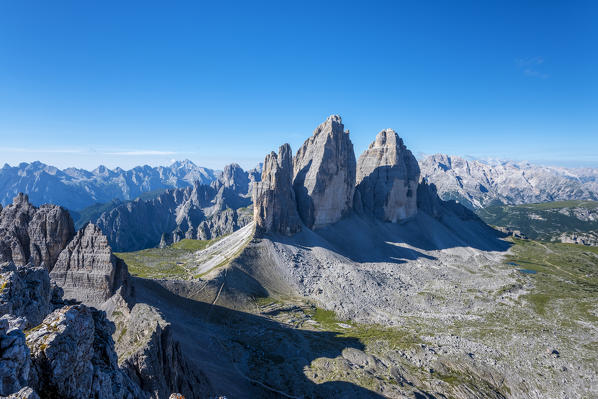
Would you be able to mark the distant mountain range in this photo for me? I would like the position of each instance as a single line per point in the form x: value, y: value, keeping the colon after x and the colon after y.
x: 76, y: 189
x: 478, y: 184
x: 475, y: 184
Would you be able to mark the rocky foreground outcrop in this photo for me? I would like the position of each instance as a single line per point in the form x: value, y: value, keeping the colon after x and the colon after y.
x: 274, y: 204
x: 387, y: 179
x: 72, y: 356
x: 324, y: 174
x: 68, y: 350
x: 87, y: 270
x: 152, y: 357
x: 26, y: 295
x: 14, y: 359
x: 30, y: 234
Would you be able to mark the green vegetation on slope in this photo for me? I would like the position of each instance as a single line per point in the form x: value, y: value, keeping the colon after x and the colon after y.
x: 545, y: 221
x: 173, y: 261
x: 567, y: 278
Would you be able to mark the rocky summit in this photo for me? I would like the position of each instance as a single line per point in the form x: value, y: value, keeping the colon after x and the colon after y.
x: 274, y: 204
x: 86, y: 270
x: 387, y: 179
x: 324, y: 174
x: 30, y: 234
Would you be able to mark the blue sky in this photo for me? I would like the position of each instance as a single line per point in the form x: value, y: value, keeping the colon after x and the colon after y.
x: 88, y: 83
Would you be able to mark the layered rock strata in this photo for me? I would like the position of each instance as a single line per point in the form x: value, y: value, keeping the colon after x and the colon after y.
x: 87, y: 270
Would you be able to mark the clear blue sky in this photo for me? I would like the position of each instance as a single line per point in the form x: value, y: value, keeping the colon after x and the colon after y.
x: 123, y: 83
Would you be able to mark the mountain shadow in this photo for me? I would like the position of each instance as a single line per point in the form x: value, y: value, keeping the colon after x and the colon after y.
x: 247, y: 356
x: 364, y: 239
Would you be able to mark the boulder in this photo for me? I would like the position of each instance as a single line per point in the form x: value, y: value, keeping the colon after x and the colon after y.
x: 387, y: 179
x: 324, y: 174
x: 275, y: 207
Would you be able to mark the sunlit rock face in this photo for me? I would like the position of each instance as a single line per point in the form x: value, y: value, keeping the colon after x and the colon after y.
x: 387, y: 179
x: 324, y: 174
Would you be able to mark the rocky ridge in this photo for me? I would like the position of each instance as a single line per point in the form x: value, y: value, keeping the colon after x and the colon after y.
x: 77, y: 188
x: 196, y: 212
x: 69, y: 349
x: 477, y: 184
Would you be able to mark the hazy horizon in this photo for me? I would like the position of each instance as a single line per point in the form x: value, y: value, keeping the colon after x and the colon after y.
x: 419, y: 156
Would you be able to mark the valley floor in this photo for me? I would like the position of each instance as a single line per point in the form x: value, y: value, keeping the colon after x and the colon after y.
x: 460, y: 321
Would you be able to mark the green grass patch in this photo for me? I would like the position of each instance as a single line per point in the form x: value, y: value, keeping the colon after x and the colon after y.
x: 544, y: 221
x: 567, y: 275
x: 193, y: 245
x: 367, y: 334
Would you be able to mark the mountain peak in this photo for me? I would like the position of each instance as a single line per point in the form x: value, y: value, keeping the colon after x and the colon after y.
x: 184, y: 164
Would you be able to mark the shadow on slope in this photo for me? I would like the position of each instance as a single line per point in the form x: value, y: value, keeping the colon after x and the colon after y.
x: 245, y: 355
x: 363, y: 239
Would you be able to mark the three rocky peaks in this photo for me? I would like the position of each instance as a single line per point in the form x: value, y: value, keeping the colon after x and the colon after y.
x: 324, y: 182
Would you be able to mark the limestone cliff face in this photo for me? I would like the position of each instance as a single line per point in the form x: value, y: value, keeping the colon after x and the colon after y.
x: 324, y: 174
x: 86, y: 270
x: 36, y: 235
x: 387, y: 179
x: 275, y: 208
